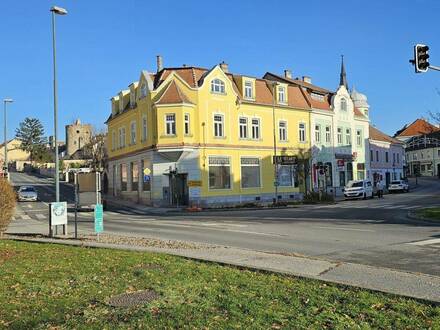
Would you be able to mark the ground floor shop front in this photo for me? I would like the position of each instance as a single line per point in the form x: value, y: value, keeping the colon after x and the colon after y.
x: 208, y: 177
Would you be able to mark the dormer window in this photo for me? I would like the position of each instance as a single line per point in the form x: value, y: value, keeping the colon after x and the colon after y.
x: 143, y: 90
x: 343, y: 105
x: 248, y: 90
x: 132, y: 98
x: 121, y: 103
x: 217, y: 86
x: 281, y: 94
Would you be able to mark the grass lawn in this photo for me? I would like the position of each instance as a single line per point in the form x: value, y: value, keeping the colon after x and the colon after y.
x: 53, y: 286
x: 432, y: 213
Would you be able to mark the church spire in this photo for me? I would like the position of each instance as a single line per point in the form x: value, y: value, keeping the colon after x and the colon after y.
x: 343, y: 76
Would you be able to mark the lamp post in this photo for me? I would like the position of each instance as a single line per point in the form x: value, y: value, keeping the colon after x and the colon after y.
x: 56, y: 11
x: 5, y: 101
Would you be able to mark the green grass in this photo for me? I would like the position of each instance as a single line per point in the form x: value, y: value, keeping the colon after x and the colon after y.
x: 54, y: 286
x: 432, y: 213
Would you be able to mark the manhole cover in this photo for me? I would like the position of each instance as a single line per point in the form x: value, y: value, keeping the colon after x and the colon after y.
x: 133, y: 298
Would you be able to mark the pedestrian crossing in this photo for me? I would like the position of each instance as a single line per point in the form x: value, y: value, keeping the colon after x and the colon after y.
x: 370, y: 206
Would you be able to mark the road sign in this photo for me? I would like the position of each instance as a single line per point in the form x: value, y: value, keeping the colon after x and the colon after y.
x: 58, y: 213
x: 99, y: 218
x: 147, y: 178
x: 147, y: 171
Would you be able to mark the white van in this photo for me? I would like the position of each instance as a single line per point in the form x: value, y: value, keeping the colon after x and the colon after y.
x: 358, y: 189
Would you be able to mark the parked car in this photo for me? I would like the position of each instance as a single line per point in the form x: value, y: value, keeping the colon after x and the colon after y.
x: 27, y: 194
x: 398, y: 185
x: 358, y: 189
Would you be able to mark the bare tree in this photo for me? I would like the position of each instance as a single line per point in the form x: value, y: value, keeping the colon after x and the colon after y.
x: 96, y: 149
x: 435, y: 115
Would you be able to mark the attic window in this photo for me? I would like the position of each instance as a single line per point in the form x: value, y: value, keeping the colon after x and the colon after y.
x: 143, y: 90
x: 248, y: 90
x: 343, y: 104
x: 217, y: 86
x: 317, y: 97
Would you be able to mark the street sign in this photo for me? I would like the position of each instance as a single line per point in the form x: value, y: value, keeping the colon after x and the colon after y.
x: 147, y: 178
x: 99, y: 218
x: 58, y: 213
x: 285, y: 160
x: 147, y: 171
x: 194, y: 192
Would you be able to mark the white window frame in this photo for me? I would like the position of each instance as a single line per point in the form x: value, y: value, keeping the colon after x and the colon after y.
x: 328, y: 134
x: 231, y: 181
x: 170, y: 124
x: 218, y: 86
x: 340, y: 131
x: 144, y: 128
x: 121, y: 137
x: 348, y: 136
x: 344, y: 105
x: 359, y: 137
x: 281, y: 94
x: 132, y: 133
x: 317, y: 133
x: 132, y: 98
x: 243, y: 127
x: 302, y: 136
x: 186, y: 124
x: 249, y: 90
x: 282, y: 131
x: 256, y: 128
x: 251, y: 165
x: 143, y: 90
x: 218, y: 126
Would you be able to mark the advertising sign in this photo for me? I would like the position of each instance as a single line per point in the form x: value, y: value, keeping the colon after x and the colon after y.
x: 99, y: 218
x: 285, y: 160
x: 194, y: 183
x: 58, y: 213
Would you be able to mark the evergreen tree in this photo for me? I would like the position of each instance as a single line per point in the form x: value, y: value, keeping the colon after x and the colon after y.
x: 31, y: 134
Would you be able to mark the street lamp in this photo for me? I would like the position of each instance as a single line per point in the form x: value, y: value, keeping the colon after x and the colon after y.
x: 275, y: 161
x: 5, y: 101
x: 56, y: 11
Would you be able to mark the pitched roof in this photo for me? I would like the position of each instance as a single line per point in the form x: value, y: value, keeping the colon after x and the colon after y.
x: 418, y: 127
x: 299, y: 83
x: 358, y: 113
x: 377, y: 135
x: 172, y: 95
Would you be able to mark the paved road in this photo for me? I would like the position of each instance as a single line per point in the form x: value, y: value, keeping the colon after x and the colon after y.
x: 372, y: 232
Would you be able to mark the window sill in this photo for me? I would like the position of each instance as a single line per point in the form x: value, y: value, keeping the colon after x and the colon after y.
x: 220, y: 137
x: 283, y: 141
x: 218, y: 93
x: 168, y: 136
x: 189, y: 135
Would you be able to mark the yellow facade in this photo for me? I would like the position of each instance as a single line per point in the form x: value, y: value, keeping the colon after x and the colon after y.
x: 194, y: 110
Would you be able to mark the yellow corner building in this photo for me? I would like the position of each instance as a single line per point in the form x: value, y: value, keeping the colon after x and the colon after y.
x: 199, y: 137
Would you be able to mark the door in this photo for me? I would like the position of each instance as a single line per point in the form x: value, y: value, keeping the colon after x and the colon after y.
x: 387, y: 178
x: 179, y: 190
x: 438, y: 170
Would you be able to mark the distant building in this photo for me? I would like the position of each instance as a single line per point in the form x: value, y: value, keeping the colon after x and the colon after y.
x: 15, y: 154
x: 77, y: 136
x: 423, y: 154
x: 416, y: 128
x: 386, y: 157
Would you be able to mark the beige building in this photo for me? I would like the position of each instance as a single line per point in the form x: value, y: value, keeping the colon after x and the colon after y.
x: 77, y: 136
x: 15, y: 154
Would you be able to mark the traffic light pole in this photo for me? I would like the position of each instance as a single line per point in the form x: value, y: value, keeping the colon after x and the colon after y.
x: 433, y: 67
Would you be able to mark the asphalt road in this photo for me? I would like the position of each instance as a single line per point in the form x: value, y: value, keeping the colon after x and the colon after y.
x: 374, y: 232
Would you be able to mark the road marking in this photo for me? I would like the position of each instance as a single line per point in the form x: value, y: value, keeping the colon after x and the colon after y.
x: 40, y: 216
x: 221, y: 224
x: 426, y: 242
x: 25, y: 217
x: 347, y: 229
x: 29, y: 206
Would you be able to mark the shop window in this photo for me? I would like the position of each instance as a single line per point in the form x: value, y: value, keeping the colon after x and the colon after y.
x: 124, y: 177
x: 286, y: 175
x: 219, y: 173
x: 250, y: 172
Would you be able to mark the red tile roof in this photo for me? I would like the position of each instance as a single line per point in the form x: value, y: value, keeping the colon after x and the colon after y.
x: 377, y: 135
x: 173, y: 95
x: 418, y: 127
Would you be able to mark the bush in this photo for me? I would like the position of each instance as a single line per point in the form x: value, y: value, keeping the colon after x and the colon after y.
x: 314, y: 198
x: 7, y: 204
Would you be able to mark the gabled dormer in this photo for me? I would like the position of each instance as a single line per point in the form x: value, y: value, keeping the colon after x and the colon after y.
x: 145, y: 85
x: 133, y: 90
x: 115, y: 105
x: 281, y: 93
x: 248, y: 88
x: 123, y: 100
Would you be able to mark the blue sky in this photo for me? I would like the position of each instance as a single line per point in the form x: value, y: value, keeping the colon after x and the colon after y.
x: 103, y: 45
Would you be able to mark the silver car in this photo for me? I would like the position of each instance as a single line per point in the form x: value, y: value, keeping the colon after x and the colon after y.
x: 27, y: 194
x: 398, y: 185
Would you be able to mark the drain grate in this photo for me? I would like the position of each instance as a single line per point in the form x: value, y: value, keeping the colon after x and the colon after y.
x: 133, y: 298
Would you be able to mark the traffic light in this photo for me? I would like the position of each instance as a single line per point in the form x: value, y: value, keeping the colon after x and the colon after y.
x: 421, y: 57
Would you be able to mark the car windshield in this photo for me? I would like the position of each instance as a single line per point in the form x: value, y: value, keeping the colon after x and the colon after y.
x: 27, y: 189
x: 396, y: 182
x: 355, y: 184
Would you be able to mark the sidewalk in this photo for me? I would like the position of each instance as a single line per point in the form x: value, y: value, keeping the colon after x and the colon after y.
x: 138, y: 208
x: 403, y: 283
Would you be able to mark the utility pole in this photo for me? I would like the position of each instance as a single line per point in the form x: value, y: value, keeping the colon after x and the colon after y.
x: 275, y: 162
x: 6, y: 174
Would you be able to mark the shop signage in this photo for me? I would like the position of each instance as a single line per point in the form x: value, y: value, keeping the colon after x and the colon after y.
x: 285, y: 160
x: 194, y: 183
x: 194, y: 192
x: 344, y: 156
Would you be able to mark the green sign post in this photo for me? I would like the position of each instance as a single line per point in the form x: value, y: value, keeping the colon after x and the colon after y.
x: 99, y: 219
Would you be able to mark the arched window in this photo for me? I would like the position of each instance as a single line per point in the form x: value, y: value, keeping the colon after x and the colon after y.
x: 343, y: 104
x: 217, y: 86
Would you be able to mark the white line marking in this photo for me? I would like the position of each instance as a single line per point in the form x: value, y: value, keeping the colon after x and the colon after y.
x: 25, y: 217
x: 347, y: 229
x: 29, y: 206
x: 426, y: 242
x: 40, y: 216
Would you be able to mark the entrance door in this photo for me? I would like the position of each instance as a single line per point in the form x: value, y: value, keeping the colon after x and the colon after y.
x: 438, y: 170
x: 387, y: 178
x: 342, y: 179
x: 179, y: 190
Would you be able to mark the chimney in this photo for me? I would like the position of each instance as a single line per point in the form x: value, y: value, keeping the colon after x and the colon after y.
x: 159, y: 62
x: 307, y: 79
x: 288, y: 74
x: 224, y: 66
